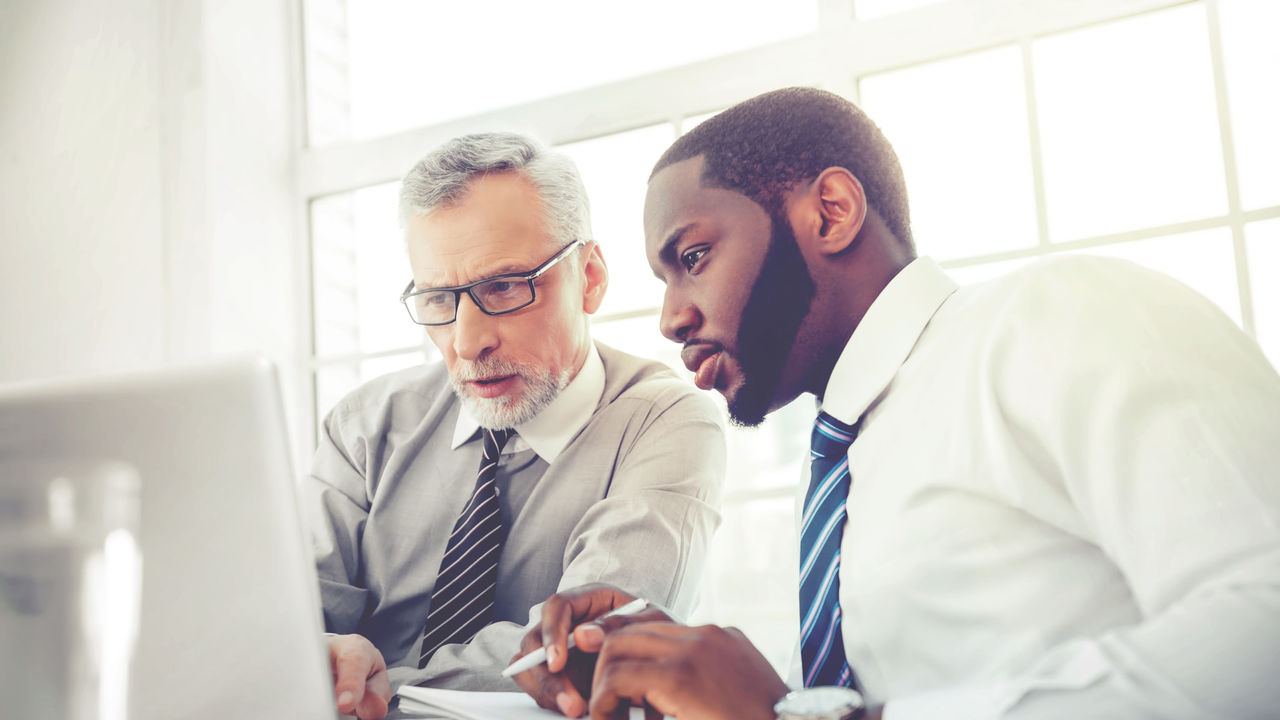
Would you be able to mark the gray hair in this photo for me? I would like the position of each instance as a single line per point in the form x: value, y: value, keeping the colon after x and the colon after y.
x: 443, y: 177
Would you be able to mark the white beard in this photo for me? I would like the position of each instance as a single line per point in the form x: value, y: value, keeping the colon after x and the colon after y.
x: 541, y: 387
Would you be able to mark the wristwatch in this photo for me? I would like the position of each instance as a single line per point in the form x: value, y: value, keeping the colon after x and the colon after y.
x: 821, y: 703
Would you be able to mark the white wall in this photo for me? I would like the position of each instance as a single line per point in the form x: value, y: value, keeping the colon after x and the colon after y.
x: 81, y: 246
x: 147, y: 210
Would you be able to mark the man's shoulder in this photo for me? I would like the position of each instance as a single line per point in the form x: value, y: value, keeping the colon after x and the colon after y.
x: 633, y: 379
x: 1069, y: 289
x: 407, y: 392
x: 1072, y: 274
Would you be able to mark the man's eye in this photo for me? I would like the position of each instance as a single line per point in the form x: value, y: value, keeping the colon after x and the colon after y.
x: 500, y: 287
x: 437, y: 299
x: 691, y: 257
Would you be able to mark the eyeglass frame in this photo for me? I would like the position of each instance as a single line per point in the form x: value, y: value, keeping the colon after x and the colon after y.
x: 457, y: 290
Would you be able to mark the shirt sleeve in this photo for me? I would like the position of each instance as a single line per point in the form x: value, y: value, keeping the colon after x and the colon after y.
x: 649, y: 535
x: 1161, y: 422
x: 335, y: 505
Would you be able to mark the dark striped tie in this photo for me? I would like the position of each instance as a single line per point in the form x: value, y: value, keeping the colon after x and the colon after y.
x: 462, y: 601
x: 821, y: 646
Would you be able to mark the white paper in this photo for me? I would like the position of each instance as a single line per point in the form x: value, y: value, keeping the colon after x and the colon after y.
x: 463, y: 705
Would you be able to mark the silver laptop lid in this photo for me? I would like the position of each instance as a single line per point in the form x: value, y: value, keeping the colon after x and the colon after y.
x: 230, y: 624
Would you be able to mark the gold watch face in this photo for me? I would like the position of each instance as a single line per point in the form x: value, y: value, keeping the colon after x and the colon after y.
x: 819, y: 703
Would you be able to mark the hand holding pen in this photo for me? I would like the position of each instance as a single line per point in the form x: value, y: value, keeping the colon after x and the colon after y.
x: 580, y: 617
x: 539, y: 656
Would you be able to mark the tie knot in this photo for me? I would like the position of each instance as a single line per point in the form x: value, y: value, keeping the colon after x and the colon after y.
x: 495, y: 440
x: 831, y: 436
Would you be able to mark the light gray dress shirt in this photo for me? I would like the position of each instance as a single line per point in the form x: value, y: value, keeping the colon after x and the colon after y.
x: 632, y: 499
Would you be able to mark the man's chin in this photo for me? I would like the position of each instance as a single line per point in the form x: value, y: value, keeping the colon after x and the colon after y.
x: 493, y: 411
x: 748, y: 407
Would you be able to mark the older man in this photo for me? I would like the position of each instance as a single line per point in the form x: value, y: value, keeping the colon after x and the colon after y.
x: 453, y: 498
x: 1050, y: 495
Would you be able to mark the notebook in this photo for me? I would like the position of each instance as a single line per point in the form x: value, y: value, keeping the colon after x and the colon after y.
x: 230, y: 623
x: 460, y: 705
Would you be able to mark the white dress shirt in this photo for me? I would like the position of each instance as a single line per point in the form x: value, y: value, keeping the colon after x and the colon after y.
x: 1065, y: 499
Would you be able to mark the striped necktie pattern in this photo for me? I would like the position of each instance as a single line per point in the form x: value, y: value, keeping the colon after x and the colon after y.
x: 463, y: 598
x: 821, y: 645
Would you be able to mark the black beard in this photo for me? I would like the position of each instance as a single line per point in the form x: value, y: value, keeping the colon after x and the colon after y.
x: 778, y: 304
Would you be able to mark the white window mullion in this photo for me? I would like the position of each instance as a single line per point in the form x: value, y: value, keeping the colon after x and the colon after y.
x: 1230, y: 174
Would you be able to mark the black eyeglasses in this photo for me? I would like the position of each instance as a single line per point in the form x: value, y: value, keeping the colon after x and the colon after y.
x: 496, y: 295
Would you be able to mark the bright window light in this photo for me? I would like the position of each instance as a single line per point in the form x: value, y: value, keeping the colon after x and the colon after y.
x: 334, y: 381
x: 640, y: 336
x: 359, y: 269
x: 750, y: 577
x: 395, y: 64
x: 615, y: 169
x: 959, y: 127
x: 1252, y: 60
x: 868, y: 9
x: 1263, y: 243
x: 1129, y: 125
x: 970, y: 274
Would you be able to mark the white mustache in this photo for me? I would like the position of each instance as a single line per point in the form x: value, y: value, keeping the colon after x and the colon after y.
x: 484, y: 369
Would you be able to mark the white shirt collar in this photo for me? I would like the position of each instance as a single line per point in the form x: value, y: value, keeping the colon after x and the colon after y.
x: 884, y: 338
x: 550, y: 430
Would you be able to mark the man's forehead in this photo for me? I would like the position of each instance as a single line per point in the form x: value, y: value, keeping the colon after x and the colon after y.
x: 677, y: 179
x: 670, y: 191
x: 456, y: 259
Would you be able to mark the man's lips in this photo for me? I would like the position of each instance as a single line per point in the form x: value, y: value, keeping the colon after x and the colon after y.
x: 491, y: 387
x: 703, y: 360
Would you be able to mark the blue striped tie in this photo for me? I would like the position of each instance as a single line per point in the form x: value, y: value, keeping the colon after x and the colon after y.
x: 821, y: 646
x: 462, y: 601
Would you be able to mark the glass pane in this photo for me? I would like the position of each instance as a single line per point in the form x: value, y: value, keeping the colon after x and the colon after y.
x: 1252, y: 58
x: 1203, y: 260
x: 772, y: 455
x: 615, y: 169
x: 1129, y: 125
x: 387, y: 65
x: 970, y: 274
x: 328, y: 71
x: 336, y: 380
x: 1263, y: 240
x: 868, y: 9
x: 968, y: 173
x: 640, y: 336
x: 359, y: 270
x: 749, y: 582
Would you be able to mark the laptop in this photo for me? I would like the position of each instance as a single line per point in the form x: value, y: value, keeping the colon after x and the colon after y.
x: 230, y: 622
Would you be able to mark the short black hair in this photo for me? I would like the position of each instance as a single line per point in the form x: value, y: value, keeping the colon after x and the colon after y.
x: 765, y: 146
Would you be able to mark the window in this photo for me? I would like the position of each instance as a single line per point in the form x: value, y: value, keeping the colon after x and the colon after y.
x: 1264, y: 264
x: 1129, y: 125
x: 1061, y: 127
x: 359, y: 267
x: 615, y: 169
x: 959, y: 124
x: 1252, y: 64
x: 397, y: 64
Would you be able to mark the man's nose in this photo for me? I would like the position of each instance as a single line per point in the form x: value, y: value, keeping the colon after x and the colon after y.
x: 474, y: 332
x: 679, y: 318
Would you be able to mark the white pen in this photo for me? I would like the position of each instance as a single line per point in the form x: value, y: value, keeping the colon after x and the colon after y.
x: 539, y: 656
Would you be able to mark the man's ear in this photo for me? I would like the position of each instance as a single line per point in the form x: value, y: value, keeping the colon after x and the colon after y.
x: 596, y: 275
x: 832, y: 210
